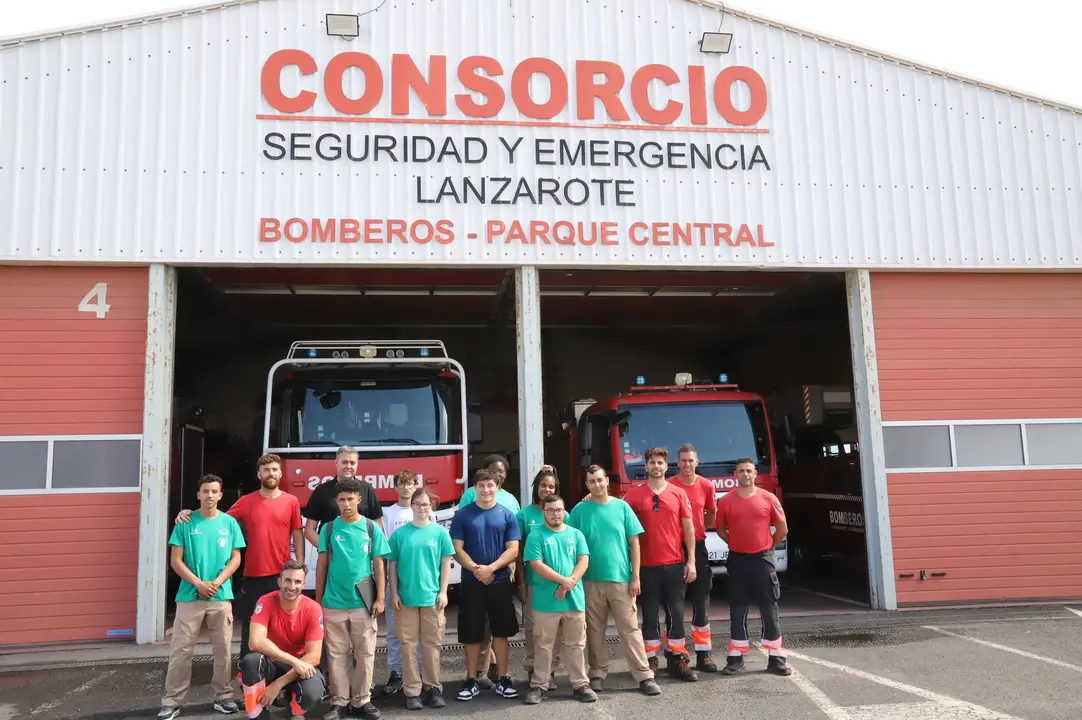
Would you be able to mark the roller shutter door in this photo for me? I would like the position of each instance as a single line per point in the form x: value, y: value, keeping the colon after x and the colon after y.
x: 72, y: 349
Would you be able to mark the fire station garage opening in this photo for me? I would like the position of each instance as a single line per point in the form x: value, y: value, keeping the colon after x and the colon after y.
x: 739, y: 364
x: 407, y: 406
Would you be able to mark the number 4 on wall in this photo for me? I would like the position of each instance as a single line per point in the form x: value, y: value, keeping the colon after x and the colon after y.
x: 95, y: 302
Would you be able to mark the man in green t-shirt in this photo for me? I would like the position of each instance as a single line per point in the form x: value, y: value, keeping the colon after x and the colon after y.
x: 351, y: 552
x: 205, y: 553
x: 612, y: 530
x: 558, y: 556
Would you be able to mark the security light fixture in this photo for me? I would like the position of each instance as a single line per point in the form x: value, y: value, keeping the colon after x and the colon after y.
x: 343, y: 26
x: 716, y: 42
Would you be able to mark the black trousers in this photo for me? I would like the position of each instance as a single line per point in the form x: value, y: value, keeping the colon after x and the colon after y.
x: 753, y: 579
x: 698, y: 592
x: 303, y: 695
x: 662, y: 587
x: 251, y: 589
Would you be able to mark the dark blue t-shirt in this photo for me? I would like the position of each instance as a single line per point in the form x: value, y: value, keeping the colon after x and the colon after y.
x: 484, y: 534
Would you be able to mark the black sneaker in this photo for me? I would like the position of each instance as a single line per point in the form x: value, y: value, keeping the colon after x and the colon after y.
x: 505, y: 687
x: 469, y: 690
x: 368, y: 710
x: 679, y: 668
x: 435, y: 698
x: 778, y: 666
x: 414, y: 703
x: 733, y: 665
x: 704, y: 662
x: 394, y: 684
x: 483, y: 682
x: 226, y: 707
x: 168, y: 712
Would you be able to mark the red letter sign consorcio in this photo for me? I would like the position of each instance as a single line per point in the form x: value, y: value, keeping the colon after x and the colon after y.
x: 424, y: 87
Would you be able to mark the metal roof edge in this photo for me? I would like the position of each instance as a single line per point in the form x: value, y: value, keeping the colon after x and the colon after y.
x: 121, y: 23
x: 886, y: 57
x: 131, y: 21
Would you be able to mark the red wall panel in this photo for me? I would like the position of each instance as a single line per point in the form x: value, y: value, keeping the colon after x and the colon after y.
x: 969, y: 347
x: 972, y: 347
x: 65, y: 372
x: 68, y: 562
x: 68, y: 566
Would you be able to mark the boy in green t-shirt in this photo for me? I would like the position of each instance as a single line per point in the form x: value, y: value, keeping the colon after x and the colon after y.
x: 421, y: 553
x: 612, y: 529
x: 205, y: 553
x: 531, y: 518
x: 351, y: 552
x: 558, y: 556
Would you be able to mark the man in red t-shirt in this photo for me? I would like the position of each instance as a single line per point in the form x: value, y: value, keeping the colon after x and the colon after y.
x: 666, y: 567
x: 744, y: 519
x: 287, y: 643
x: 700, y: 494
x: 270, y: 519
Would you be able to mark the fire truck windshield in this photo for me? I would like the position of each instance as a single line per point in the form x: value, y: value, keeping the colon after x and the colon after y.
x: 370, y: 412
x: 721, y: 432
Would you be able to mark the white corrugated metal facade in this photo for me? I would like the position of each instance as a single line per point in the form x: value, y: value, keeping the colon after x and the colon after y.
x: 142, y: 144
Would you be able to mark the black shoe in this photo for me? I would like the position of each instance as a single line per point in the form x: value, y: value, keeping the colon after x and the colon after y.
x: 679, y: 668
x: 505, y: 687
x: 585, y: 694
x: 778, y: 666
x: 469, y: 690
x: 483, y: 682
x: 414, y: 703
x: 368, y: 710
x: 435, y: 698
x: 394, y: 684
x: 705, y: 662
x: 733, y: 665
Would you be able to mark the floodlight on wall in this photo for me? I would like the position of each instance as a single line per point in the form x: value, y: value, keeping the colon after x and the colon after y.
x: 716, y: 42
x: 343, y: 26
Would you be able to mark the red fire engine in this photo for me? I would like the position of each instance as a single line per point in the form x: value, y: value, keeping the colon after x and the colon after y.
x: 722, y: 422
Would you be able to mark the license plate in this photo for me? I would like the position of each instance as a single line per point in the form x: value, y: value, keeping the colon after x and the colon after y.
x: 717, y: 555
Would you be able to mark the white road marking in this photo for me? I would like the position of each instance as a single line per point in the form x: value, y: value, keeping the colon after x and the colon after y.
x: 1076, y: 612
x: 1004, y: 648
x: 52, y: 704
x: 938, y: 707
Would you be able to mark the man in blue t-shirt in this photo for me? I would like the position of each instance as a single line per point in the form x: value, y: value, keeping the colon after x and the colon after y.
x: 486, y: 538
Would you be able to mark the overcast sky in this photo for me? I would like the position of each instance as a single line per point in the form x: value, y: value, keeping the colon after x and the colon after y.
x: 1030, y: 46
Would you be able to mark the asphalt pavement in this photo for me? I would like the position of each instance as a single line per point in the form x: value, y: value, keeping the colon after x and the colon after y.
x: 1023, y: 663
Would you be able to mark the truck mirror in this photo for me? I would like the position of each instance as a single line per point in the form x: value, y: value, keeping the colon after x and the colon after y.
x: 586, y: 443
x: 475, y: 429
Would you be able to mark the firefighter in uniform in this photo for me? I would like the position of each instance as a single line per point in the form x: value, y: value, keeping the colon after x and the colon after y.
x: 744, y: 519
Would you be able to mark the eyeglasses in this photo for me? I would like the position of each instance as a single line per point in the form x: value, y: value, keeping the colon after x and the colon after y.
x: 657, y: 503
x: 408, y: 483
x: 422, y: 506
x: 554, y: 510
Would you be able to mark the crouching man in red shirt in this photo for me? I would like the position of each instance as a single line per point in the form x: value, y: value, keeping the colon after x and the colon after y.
x: 744, y: 519
x: 286, y: 636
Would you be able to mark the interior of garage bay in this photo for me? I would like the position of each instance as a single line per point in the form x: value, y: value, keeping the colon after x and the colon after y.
x: 784, y: 336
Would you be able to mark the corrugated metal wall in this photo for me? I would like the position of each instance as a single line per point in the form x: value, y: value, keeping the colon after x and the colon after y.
x: 144, y: 143
x: 71, y: 413
x: 987, y: 348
